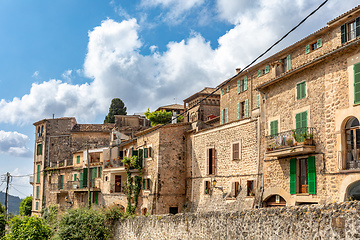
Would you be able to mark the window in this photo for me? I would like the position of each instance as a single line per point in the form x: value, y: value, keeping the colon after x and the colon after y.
x: 37, y: 206
x: 357, y: 83
x: 287, y: 63
x: 350, y: 30
x: 222, y: 91
x: 243, y: 109
x: 146, y: 152
x: 313, y: 46
x: 302, y: 175
x: 84, y: 178
x: 235, y: 189
x: 259, y: 73
x: 117, y: 183
x: 207, y: 187
x: 227, y: 88
x: 39, y: 149
x: 242, y: 85
x: 211, y: 161
x: 61, y: 182
x: 300, y: 90
x: 173, y: 210
x: 75, y: 177
x: 224, y: 116
x: 274, y: 128
x: 236, y: 151
x: 352, y: 136
x: 78, y: 159
x: 146, y: 184
x: 95, y: 197
x: 250, y: 188
x: 37, y: 192
x: 38, y: 173
x: 258, y: 100
x: 301, y: 124
x: 267, y: 69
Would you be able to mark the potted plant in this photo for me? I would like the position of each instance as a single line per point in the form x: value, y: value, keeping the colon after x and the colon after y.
x: 290, y: 142
x: 270, y: 148
x: 308, y: 138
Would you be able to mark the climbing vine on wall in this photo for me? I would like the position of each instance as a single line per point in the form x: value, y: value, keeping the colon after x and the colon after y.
x: 133, y: 185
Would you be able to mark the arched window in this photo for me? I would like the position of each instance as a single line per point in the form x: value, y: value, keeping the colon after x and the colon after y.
x: 353, y: 191
x: 352, y: 137
x: 275, y: 201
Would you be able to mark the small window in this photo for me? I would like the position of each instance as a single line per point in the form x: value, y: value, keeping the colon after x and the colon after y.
x: 146, y: 152
x: 274, y: 128
x: 300, y: 90
x: 37, y: 206
x: 39, y: 149
x: 236, y: 151
x: 37, y: 192
x: 173, y: 210
x: 243, y: 109
x: 211, y: 161
x: 235, y: 189
x: 287, y: 63
x: 78, y: 159
x: 146, y: 184
x: 207, y: 187
x: 227, y: 88
x: 250, y: 188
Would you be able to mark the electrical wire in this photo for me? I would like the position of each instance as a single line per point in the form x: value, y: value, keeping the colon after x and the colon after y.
x: 11, y: 185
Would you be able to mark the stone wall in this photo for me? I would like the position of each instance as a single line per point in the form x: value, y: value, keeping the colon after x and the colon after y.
x: 332, y: 221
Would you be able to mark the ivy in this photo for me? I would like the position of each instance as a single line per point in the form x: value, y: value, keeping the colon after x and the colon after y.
x: 133, y: 185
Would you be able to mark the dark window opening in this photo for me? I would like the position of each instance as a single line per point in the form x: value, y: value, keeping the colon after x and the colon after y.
x: 250, y: 188
x: 173, y: 210
x: 207, y: 187
x: 211, y: 161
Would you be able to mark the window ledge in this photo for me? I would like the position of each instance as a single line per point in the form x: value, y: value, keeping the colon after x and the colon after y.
x: 350, y: 171
x: 302, y: 194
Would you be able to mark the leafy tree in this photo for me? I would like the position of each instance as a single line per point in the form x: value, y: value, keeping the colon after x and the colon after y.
x: 160, y: 117
x: 2, y: 225
x: 2, y: 209
x: 83, y: 223
x: 117, y: 107
x: 25, y: 206
x: 23, y: 228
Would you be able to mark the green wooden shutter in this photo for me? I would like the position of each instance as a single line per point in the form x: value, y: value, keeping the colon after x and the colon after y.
x: 274, y: 128
x: 38, y: 174
x: 141, y: 157
x: 143, y: 184
x: 307, y: 49
x: 245, y: 83
x: 222, y: 91
x: 75, y: 175
x: 288, y: 62
x: 96, y: 196
x: 146, y: 152
x: 40, y: 149
x: 78, y: 159
x: 238, y: 86
x: 298, y: 91
x: 93, y: 176
x: 258, y: 100
x: 304, y: 119
x: 246, y: 108
x: 311, y: 175
x: 227, y: 88
x: 37, y: 206
x: 293, y: 176
x: 343, y: 34
x: 357, y: 83
x: 37, y: 192
x: 134, y: 153
x: 81, y: 180
x: 238, y: 111
x: 226, y: 115
x: 267, y: 69
x: 303, y: 94
x: 222, y: 117
x: 357, y: 28
x: 85, y: 177
x: 319, y: 43
x: 259, y: 72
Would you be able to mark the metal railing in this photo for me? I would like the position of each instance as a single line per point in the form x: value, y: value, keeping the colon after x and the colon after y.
x: 62, y: 163
x: 290, y: 138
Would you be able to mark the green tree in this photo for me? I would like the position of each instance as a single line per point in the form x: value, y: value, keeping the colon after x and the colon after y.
x: 25, y: 206
x: 2, y: 209
x: 160, y: 117
x: 24, y: 227
x: 83, y: 223
x: 117, y: 107
x: 2, y: 225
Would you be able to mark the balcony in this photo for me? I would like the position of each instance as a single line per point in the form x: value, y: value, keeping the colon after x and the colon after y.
x: 74, y: 186
x: 291, y: 143
x: 62, y: 163
x: 114, y: 163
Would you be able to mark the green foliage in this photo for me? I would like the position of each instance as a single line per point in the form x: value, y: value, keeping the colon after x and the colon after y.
x: 160, y: 117
x: 24, y: 227
x: 133, y: 185
x: 2, y: 209
x: 113, y: 213
x: 50, y: 214
x: 117, y: 107
x: 83, y: 223
x: 2, y: 225
x: 25, y: 206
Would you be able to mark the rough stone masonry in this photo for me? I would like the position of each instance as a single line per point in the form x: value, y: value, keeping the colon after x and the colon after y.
x: 331, y: 221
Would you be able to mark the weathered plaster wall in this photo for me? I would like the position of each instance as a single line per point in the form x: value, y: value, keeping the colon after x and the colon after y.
x: 332, y: 221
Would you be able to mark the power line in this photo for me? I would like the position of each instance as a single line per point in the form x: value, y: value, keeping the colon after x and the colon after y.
x: 251, y: 63
x: 18, y: 190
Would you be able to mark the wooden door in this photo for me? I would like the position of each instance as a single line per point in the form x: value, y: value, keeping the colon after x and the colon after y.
x: 117, y: 183
x: 303, y: 176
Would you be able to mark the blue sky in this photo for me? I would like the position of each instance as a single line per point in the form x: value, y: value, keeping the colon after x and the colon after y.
x: 71, y: 57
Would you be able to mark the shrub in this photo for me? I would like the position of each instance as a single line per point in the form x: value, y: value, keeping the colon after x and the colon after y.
x: 83, y: 224
x: 2, y: 225
x: 23, y: 228
x: 25, y: 206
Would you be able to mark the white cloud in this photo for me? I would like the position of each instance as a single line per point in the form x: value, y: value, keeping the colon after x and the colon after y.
x: 67, y: 75
x: 35, y: 74
x: 14, y: 143
x: 118, y: 69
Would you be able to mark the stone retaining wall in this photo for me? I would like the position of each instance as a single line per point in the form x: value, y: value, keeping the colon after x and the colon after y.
x: 332, y: 221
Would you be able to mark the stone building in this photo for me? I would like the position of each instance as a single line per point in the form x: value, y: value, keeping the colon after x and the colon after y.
x: 174, y: 108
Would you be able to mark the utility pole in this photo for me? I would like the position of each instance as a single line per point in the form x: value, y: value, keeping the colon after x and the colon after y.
x: 7, y: 195
x: 89, y: 176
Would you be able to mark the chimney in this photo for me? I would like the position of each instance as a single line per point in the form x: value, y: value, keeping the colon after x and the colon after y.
x: 238, y: 70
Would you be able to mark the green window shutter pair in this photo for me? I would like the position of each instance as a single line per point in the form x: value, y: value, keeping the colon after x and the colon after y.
x: 267, y: 69
x: 319, y: 43
x: 274, y: 128
x: 78, y: 159
x: 226, y: 115
x: 300, y: 90
x: 38, y: 173
x: 238, y: 86
x: 37, y: 192
x: 259, y: 72
x: 227, y: 89
x: 343, y: 34
x: 311, y: 175
x: 245, y: 83
x: 143, y: 187
x: 258, y: 100
x: 246, y: 108
x: 238, y: 111
x: 288, y: 62
x: 307, y: 49
x: 222, y: 116
x: 357, y: 83
x: 75, y: 176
